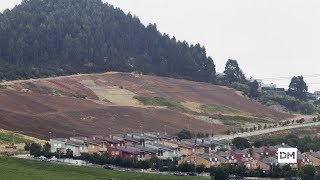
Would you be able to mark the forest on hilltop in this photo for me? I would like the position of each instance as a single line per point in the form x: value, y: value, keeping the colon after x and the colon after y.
x: 42, y: 38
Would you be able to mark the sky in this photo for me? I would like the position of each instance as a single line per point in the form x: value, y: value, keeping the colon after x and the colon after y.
x: 272, y: 40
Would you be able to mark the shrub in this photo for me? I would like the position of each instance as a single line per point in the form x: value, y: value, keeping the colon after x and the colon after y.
x: 289, y: 102
x: 241, y: 87
x: 184, y: 134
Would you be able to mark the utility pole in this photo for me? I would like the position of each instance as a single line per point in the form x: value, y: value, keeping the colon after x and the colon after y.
x: 13, y: 145
x: 110, y: 132
x: 141, y: 130
x: 211, y: 129
x: 165, y: 129
x: 49, y: 135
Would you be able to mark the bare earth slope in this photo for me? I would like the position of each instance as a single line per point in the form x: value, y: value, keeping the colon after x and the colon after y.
x: 91, y: 104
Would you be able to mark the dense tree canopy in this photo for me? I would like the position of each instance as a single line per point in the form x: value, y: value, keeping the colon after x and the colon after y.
x: 253, y: 91
x: 56, y: 37
x: 184, y: 134
x: 240, y: 143
x: 298, y: 88
x: 233, y: 73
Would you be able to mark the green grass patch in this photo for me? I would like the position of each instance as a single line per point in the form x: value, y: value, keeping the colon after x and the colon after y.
x: 3, y: 86
x: 6, y: 137
x: 13, y: 168
x: 218, y: 109
x: 161, y: 101
x: 239, y: 120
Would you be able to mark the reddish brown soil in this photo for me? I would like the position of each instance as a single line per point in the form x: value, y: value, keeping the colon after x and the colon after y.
x: 36, y: 115
x: 38, y: 112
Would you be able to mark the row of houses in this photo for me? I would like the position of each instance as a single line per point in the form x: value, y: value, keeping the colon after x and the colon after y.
x: 137, y: 146
x: 264, y: 157
x: 197, y: 151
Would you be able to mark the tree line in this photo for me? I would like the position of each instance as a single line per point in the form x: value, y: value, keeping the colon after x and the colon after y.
x: 59, y: 37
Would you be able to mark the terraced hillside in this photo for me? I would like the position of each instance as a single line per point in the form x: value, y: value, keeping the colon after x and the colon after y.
x: 91, y: 104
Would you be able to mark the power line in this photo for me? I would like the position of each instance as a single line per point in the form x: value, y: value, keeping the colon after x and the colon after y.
x: 283, y: 77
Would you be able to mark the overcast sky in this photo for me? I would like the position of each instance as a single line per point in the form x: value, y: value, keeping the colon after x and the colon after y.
x: 268, y: 38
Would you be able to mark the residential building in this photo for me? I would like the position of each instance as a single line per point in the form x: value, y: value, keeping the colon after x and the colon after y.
x: 254, y: 164
x: 206, y: 159
x: 272, y: 151
x: 259, y: 153
x: 126, y: 152
x: 61, y: 145
x: 185, y: 149
x: 240, y: 155
x: 164, y: 152
x: 225, y: 158
x: 314, y: 157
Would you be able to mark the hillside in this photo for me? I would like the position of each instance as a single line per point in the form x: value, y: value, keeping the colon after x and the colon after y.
x: 45, y: 38
x: 91, y: 104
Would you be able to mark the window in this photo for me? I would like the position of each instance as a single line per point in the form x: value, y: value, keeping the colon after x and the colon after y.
x: 115, y: 153
x: 55, y: 145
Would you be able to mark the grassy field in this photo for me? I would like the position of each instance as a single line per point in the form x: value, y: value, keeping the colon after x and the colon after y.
x: 239, y: 120
x: 13, y: 168
x: 219, y: 109
x: 161, y: 101
x: 7, y: 136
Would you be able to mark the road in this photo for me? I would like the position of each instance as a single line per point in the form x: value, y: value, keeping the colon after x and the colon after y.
x: 265, y: 131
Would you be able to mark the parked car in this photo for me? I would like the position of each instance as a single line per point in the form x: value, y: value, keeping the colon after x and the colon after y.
x: 46, y: 160
x: 178, y: 173
x: 107, y: 167
x: 191, y: 174
x: 42, y: 158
